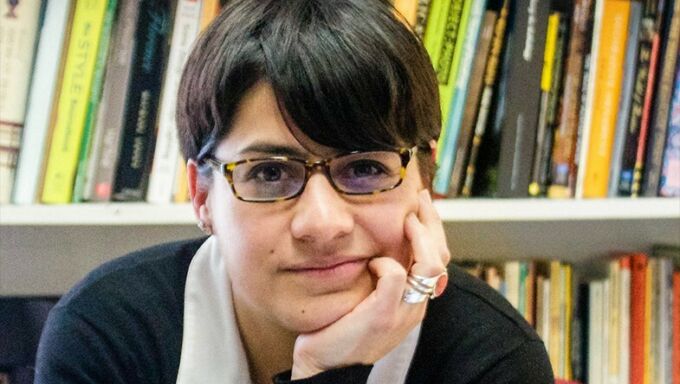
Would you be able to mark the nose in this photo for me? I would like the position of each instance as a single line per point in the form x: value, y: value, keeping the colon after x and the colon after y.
x: 321, y: 214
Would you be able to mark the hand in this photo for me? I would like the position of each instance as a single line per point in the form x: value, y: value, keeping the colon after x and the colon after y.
x: 352, y: 339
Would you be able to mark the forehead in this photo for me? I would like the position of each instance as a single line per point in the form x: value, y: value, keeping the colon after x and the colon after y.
x: 260, y: 128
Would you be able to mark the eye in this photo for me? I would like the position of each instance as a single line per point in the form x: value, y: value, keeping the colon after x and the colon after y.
x: 365, y: 168
x: 268, y: 172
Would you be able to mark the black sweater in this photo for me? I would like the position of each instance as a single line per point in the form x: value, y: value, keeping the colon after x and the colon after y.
x: 123, y: 324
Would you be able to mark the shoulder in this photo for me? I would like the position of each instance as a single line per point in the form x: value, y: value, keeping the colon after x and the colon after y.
x: 126, y: 312
x: 471, y: 329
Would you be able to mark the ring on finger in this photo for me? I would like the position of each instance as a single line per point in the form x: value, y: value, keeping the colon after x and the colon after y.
x: 420, y: 288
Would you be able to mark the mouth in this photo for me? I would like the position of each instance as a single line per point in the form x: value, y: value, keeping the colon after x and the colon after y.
x: 343, y: 270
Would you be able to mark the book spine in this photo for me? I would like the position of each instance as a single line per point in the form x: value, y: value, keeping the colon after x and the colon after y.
x: 44, y: 87
x: 676, y: 328
x: 93, y: 102
x: 109, y: 123
x: 554, y: 346
x: 669, y: 184
x: 490, y: 76
x: 18, y: 37
x: 526, y: 45
x: 470, y: 25
x: 645, y: 118
x: 664, y: 331
x: 595, y: 332
x: 613, y: 324
x: 627, y: 92
x: 81, y: 56
x: 638, y: 299
x: 563, y: 172
x: 606, y: 98
x: 662, y: 101
x: 186, y: 27
x: 422, y: 14
x: 551, y: 62
x: 587, y: 96
x: 472, y: 103
x: 407, y: 9
x: 132, y: 173
x: 624, y: 320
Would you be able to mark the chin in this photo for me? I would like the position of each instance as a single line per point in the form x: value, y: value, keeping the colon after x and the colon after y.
x: 319, y: 312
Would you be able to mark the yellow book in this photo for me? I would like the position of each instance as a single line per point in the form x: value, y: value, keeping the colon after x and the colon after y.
x: 181, y: 183
x: 81, y: 55
x: 209, y: 10
x: 605, y: 105
x: 567, y: 290
x: 556, y: 326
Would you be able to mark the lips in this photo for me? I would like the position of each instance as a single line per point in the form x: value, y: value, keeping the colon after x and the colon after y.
x: 336, y: 270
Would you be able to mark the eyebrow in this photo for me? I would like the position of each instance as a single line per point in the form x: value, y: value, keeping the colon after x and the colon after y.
x: 269, y: 149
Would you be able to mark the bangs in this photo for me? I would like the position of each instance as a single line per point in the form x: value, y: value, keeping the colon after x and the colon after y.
x: 346, y: 88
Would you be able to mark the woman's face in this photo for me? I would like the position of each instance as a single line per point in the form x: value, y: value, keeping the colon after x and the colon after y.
x: 302, y: 263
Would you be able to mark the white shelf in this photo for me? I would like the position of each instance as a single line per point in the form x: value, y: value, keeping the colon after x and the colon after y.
x: 45, y: 249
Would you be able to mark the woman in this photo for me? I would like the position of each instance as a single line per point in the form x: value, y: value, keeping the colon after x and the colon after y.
x: 308, y: 127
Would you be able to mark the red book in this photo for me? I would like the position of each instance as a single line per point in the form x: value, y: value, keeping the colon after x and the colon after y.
x: 676, y: 328
x: 638, y: 280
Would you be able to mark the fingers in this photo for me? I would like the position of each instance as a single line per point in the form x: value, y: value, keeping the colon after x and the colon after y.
x: 391, y: 281
x: 429, y: 216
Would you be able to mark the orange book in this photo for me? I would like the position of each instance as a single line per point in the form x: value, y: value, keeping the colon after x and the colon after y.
x: 209, y: 10
x: 605, y: 105
x: 408, y: 9
x: 675, y: 359
x: 638, y: 287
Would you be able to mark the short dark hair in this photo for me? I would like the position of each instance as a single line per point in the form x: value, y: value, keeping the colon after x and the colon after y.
x: 348, y: 73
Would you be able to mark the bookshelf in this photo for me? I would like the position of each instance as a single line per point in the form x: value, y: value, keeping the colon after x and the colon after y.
x: 47, y: 248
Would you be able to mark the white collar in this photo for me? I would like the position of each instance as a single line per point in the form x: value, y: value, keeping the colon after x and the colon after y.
x: 212, y: 351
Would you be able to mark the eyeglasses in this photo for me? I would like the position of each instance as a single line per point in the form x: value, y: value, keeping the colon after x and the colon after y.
x: 277, y: 178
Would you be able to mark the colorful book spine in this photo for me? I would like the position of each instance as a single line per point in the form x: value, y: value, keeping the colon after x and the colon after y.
x: 629, y: 154
x: 81, y: 56
x: 676, y: 328
x: 662, y: 101
x: 552, y: 58
x: 563, y: 170
x: 490, y: 76
x: 473, y: 100
x: 186, y: 28
x: 139, y: 132
x: 650, y: 90
x: 587, y: 96
x: 627, y: 95
x: 19, y: 25
x: 638, y: 304
x: 94, y: 102
x: 518, y: 123
x: 669, y: 184
x: 111, y: 113
x: 612, y: 45
x: 44, y: 88
x: 470, y: 25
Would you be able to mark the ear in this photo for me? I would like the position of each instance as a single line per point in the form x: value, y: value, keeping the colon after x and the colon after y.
x: 433, y: 149
x: 198, y: 192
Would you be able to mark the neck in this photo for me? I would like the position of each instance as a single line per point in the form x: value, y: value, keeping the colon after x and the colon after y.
x: 268, y: 347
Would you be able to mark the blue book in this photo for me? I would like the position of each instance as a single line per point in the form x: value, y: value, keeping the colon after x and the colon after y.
x: 447, y: 154
x: 669, y: 185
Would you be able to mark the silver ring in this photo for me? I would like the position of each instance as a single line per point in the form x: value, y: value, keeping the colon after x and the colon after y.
x: 420, y: 288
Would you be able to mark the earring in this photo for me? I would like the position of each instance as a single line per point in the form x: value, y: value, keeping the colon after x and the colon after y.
x: 205, y: 228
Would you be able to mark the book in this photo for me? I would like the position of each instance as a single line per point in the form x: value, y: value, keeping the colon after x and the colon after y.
x: 676, y: 328
x: 550, y: 88
x: 669, y: 184
x: 407, y: 9
x: 587, y: 95
x: 490, y: 76
x: 19, y: 24
x: 595, y: 332
x: 139, y: 131
x: 626, y: 101
x: 624, y: 319
x: 42, y: 98
x: 662, y: 101
x: 470, y: 25
x: 606, y: 98
x: 111, y: 114
x: 474, y: 91
x: 630, y: 145
x: 563, y: 170
x: 166, y: 154
x: 645, y: 119
x: 526, y: 44
x: 93, y: 102
x: 81, y: 55
x: 422, y: 14
x: 638, y: 304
